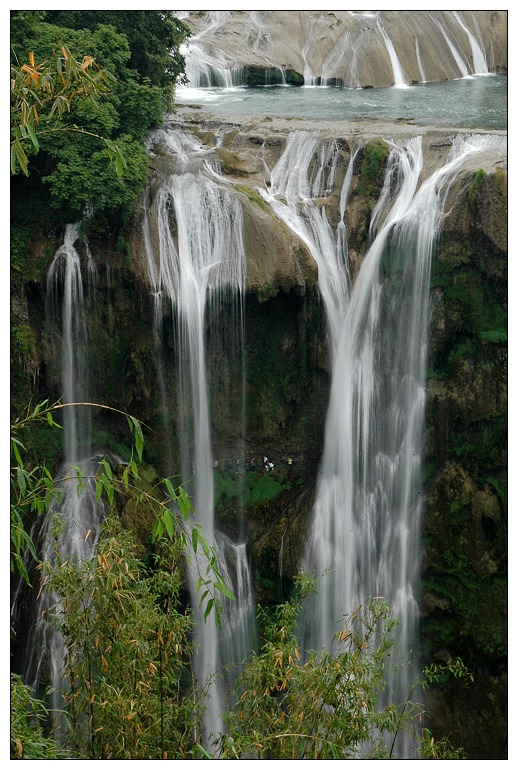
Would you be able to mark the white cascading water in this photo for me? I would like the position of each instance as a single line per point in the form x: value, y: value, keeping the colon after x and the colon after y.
x: 419, y: 62
x: 310, y: 79
x: 365, y: 526
x: 400, y: 79
x: 306, y: 171
x: 258, y: 38
x: 198, y: 265
x: 340, y: 51
x: 71, y: 526
x: 206, y: 68
x: 457, y: 55
x: 479, y: 57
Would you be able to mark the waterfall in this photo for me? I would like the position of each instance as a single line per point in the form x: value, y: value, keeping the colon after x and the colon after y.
x: 205, y: 68
x: 65, y: 277
x: 366, y: 518
x: 309, y: 78
x: 71, y: 526
x: 200, y: 265
x: 459, y: 61
x: 306, y: 171
x: 419, y: 62
x: 365, y: 526
x: 335, y: 58
x: 479, y: 57
x: 237, y: 637
x: 259, y: 38
x: 353, y: 76
x: 400, y: 79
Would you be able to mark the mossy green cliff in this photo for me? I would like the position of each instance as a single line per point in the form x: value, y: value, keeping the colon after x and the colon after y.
x: 286, y: 378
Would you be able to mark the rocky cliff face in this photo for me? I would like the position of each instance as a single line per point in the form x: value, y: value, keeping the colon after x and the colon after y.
x: 464, y: 602
x: 287, y: 383
x: 355, y: 49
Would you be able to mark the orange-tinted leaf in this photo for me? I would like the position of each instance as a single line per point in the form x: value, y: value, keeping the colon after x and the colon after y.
x: 87, y: 62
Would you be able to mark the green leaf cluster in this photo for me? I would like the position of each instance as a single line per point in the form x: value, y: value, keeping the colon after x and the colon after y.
x: 73, y: 150
x: 129, y: 692
x: 32, y: 488
x: 296, y: 704
x: 128, y: 651
x: 28, y: 718
x: 154, y: 39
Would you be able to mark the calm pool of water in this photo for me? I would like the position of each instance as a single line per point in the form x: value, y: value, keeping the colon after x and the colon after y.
x: 477, y: 102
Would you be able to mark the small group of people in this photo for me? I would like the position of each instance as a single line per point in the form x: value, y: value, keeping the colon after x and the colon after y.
x: 251, y: 466
x: 267, y: 464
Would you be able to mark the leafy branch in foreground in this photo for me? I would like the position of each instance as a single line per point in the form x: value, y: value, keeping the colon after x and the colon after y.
x: 433, y: 674
x: 28, y: 716
x: 296, y: 704
x: 42, y: 94
x: 128, y: 649
x: 34, y: 491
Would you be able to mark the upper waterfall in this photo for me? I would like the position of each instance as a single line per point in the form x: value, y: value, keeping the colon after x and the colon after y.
x: 193, y: 235
x: 351, y: 49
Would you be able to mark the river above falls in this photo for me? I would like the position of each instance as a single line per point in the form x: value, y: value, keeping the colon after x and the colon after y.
x: 474, y: 102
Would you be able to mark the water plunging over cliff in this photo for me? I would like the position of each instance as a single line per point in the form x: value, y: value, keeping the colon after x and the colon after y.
x: 366, y: 518
x: 198, y: 265
x: 343, y: 48
x: 70, y: 528
x: 367, y: 513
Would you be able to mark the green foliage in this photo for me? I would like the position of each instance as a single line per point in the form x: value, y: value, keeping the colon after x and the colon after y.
x: 42, y: 93
x: 75, y: 182
x: 474, y: 607
x: 297, y: 705
x: 32, y: 489
x: 80, y: 139
x: 154, y: 39
x: 28, y: 717
x: 129, y: 694
x: 495, y: 336
x: 128, y: 650
x: 254, y: 489
x: 116, y: 592
x: 375, y: 154
x: 478, y: 179
x: 23, y: 337
x: 442, y: 749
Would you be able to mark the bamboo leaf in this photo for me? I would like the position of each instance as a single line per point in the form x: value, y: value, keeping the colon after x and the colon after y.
x: 139, y: 438
x: 170, y: 489
x: 224, y: 590
x: 20, y: 476
x: 158, y: 530
x: 87, y: 62
x: 169, y: 523
x: 17, y: 455
x: 34, y: 138
x: 208, y: 609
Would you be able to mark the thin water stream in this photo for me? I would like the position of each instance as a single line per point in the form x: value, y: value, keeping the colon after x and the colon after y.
x: 70, y: 528
x: 199, y: 265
